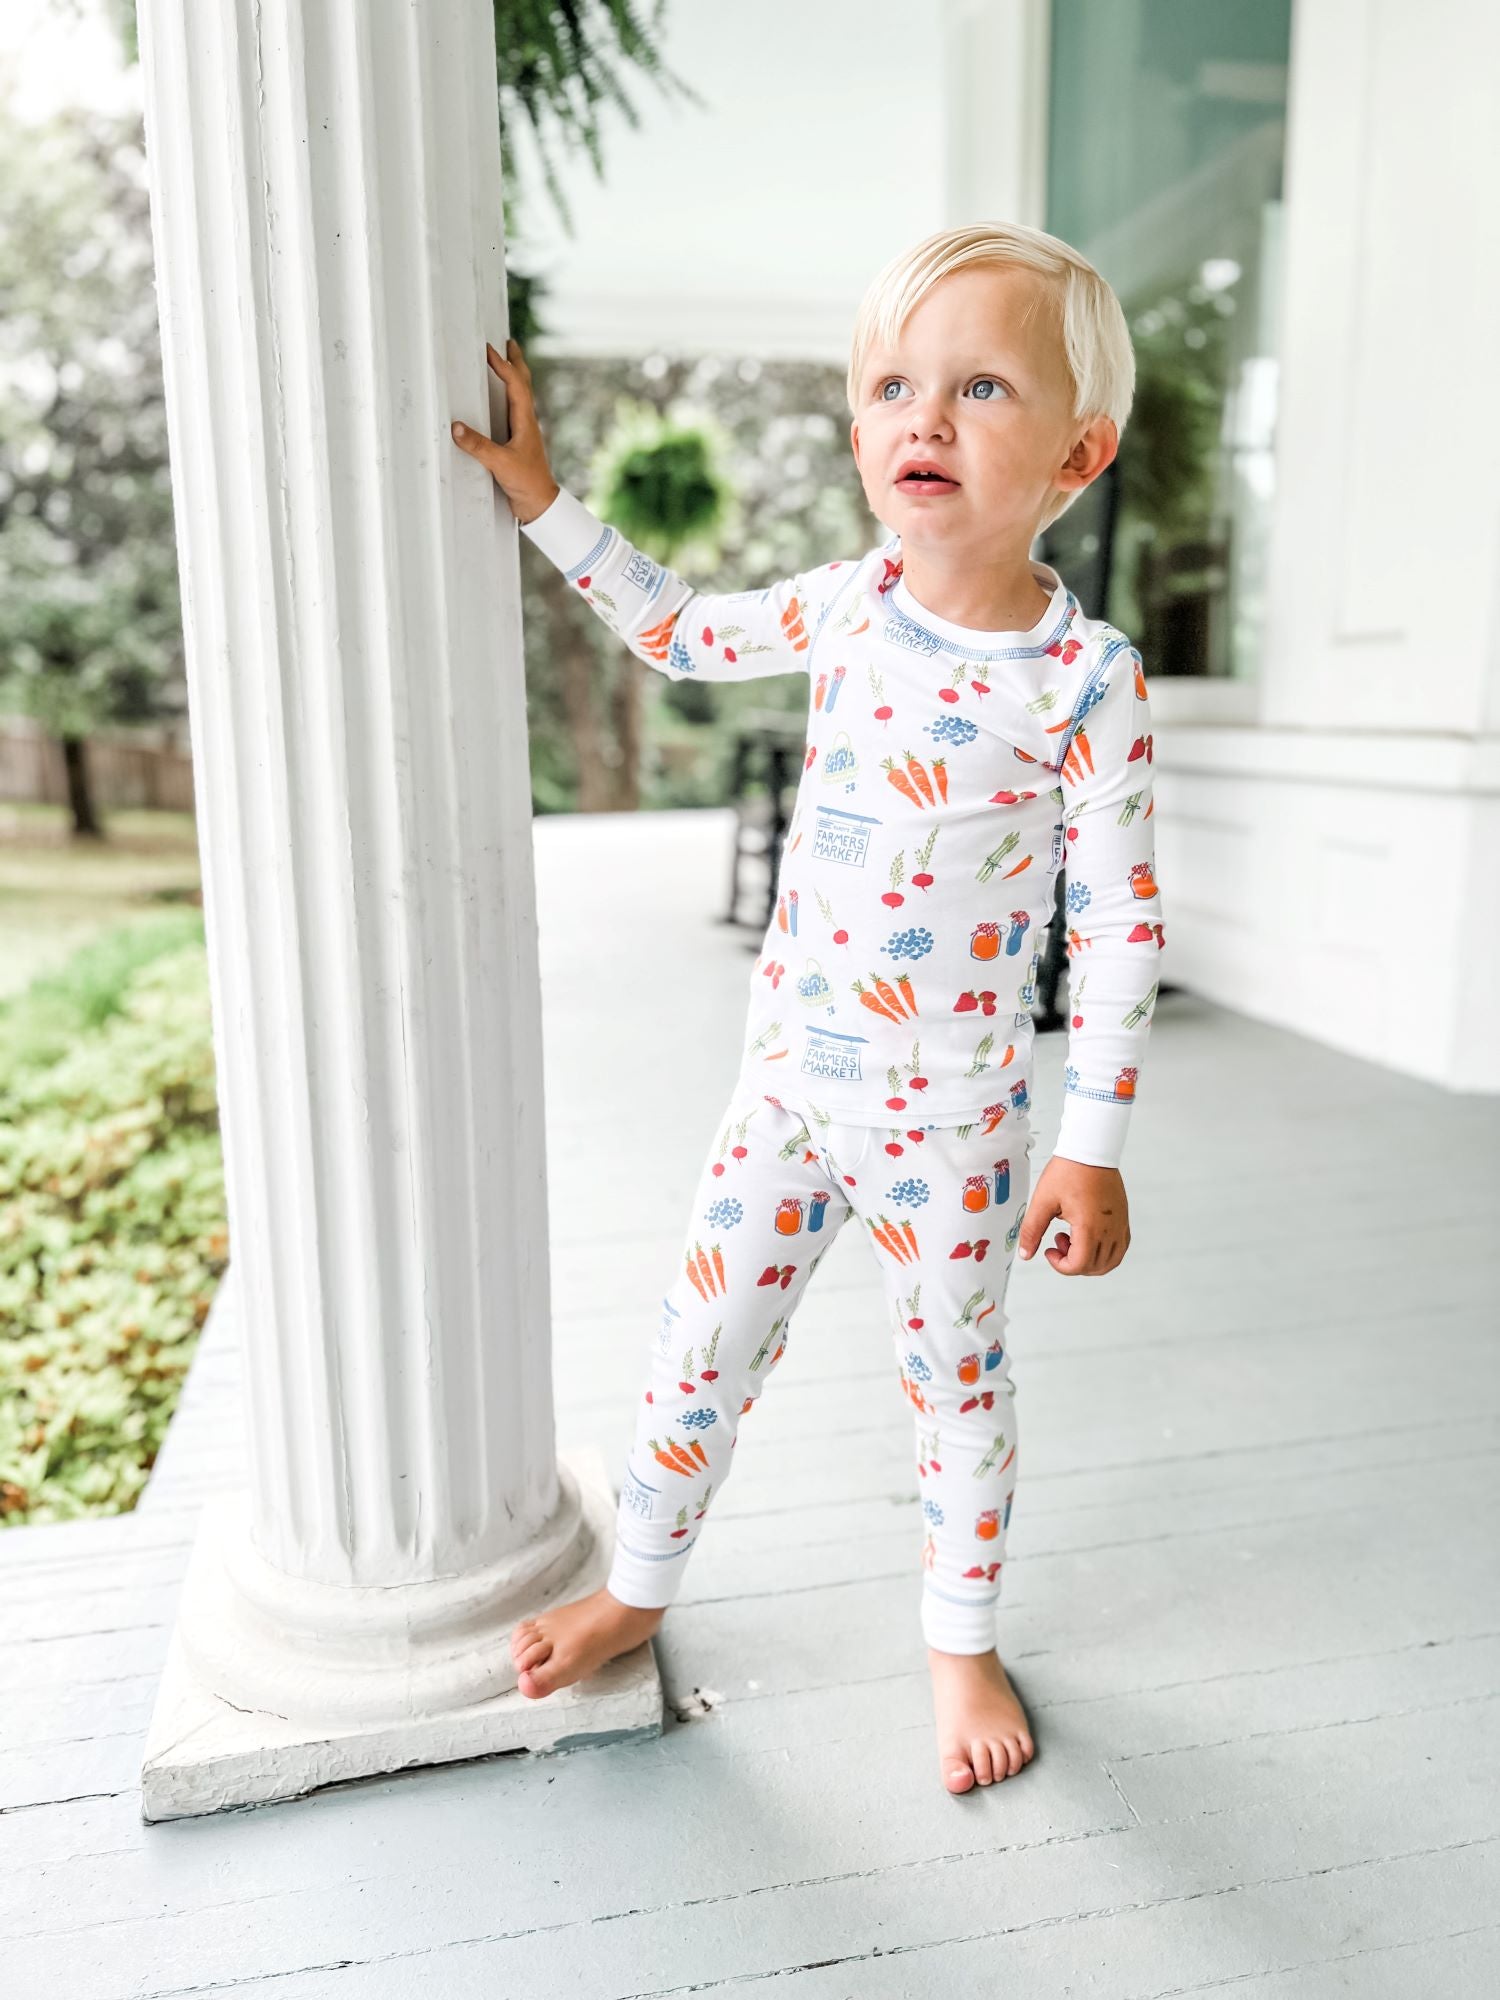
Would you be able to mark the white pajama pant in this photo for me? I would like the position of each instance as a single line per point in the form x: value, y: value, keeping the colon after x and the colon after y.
x: 942, y: 1217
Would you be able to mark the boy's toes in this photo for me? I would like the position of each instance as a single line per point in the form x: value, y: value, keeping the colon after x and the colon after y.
x: 957, y: 1775
x: 979, y: 1757
x: 533, y: 1682
x: 534, y: 1652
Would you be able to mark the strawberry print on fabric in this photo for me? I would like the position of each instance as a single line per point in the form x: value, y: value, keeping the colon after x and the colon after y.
x: 949, y: 775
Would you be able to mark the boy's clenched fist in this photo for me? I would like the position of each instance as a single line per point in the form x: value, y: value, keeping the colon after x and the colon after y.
x: 1093, y: 1200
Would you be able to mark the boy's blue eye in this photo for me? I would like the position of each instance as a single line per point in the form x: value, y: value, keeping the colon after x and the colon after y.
x: 993, y: 380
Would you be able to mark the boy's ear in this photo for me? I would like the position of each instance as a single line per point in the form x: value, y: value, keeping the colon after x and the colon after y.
x: 854, y: 439
x: 1095, y: 450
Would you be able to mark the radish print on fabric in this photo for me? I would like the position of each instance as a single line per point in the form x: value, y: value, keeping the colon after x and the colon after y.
x: 950, y: 774
x: 942, y: 1208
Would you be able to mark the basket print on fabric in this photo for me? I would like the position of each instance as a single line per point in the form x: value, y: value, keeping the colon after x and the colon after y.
x: 948, y: 776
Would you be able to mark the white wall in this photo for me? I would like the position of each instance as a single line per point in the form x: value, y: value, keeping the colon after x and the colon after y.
x: 1334, y: 862
x: 834, y: 136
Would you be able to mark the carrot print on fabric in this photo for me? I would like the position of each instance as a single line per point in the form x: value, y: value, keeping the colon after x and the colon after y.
x: 900, y: 780
x: 703, y: 1270
x: 669, y: 1458
x: 918, y: 771
x: 888, y: 1241
x: 888, y: 994
x: 1006, y: 772
x: 873, y: 1002
x: 657, y: 641
x: 1079, y: 757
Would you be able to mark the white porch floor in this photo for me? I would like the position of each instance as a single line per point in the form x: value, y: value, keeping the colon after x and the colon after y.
x: 1251, y: 1590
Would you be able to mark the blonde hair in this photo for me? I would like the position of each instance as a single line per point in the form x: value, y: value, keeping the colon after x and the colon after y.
x: 1096, y: 339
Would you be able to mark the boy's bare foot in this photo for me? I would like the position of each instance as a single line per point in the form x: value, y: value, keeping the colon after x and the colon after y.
x: 982, y: 1731
x: 574, y: 1640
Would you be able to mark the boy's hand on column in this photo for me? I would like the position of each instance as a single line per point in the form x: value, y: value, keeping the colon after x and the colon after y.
x: 1093, y: 1200
x: 520, y: 467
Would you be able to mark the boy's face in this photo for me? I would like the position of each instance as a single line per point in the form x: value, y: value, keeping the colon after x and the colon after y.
x: 978, y: 383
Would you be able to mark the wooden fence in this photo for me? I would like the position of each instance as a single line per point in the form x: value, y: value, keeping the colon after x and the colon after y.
x: 126, y: 767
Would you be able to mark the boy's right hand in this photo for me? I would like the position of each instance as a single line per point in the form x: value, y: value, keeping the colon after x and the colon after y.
x: 520, y: 468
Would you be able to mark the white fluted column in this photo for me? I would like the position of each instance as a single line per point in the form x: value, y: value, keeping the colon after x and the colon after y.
x: 326, y: 204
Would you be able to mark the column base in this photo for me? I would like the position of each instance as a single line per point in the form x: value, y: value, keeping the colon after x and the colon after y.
x: 203, y: 1754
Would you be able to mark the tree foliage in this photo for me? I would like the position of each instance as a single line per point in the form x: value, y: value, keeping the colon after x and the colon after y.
x: 558, y: 61
x: 90, y: 626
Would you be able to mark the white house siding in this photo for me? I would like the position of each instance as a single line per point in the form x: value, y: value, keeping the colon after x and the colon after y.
x: 1329, y: 826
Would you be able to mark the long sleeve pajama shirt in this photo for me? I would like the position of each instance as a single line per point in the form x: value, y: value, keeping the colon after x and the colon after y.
x: 949, y: 774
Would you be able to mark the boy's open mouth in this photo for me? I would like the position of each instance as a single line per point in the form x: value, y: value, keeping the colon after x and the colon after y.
x: 923, y: 479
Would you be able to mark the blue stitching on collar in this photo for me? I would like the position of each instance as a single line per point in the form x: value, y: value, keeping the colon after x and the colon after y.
x: 978, y: 653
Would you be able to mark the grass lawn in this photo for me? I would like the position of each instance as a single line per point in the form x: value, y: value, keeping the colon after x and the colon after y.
x: 57, y: 893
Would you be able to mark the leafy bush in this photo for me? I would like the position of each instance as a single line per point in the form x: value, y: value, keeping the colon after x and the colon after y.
x: 45, y: 1021
x: 113, y: 1233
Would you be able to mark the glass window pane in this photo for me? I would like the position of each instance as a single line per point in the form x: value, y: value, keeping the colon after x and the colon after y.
x: 1174, y: 192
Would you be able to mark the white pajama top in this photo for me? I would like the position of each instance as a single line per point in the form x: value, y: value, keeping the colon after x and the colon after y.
x: 949, y: 773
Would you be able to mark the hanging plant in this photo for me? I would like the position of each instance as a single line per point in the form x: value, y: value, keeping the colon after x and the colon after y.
x: 659, y: 479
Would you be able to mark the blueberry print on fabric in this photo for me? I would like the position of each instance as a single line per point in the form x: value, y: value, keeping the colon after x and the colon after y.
x: 942, y: 1208
x: 949, y: 774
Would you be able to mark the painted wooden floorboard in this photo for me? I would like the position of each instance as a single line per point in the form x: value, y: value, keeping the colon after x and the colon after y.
x: 1251, y: 1596
x: 1100, y: 1879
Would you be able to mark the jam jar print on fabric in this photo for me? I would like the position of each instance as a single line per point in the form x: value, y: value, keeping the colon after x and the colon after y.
x: 949, y: 774
x: 943, y: 1218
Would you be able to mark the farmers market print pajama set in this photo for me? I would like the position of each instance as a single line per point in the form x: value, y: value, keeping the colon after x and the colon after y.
x: 885, y: 1076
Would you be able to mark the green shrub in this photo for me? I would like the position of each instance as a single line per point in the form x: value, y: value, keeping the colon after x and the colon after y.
x: 113, y: 1233
x: 42, y: 1023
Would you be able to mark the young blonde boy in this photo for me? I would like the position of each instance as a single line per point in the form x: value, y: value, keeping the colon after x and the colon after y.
x: 970, y: 733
